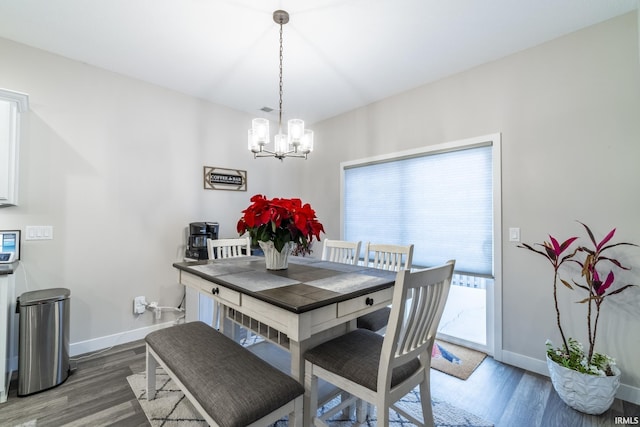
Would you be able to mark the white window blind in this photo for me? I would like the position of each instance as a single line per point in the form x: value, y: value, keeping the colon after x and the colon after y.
x: 442, y: 203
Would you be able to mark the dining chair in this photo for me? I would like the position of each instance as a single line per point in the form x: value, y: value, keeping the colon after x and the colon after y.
x: 382, y: 369
x: 388, y: 257
x: 341, y: 251
x: 384, y: 257
x: 228, y: 248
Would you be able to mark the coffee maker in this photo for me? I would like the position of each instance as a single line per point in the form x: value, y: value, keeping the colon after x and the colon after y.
x: 199, y: 232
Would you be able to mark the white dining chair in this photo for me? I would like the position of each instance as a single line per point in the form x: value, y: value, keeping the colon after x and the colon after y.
x: 384, y: 257
x: 388, y: 257
x: 382, y: 369
x: 341, y: 251
x: 228, y: 248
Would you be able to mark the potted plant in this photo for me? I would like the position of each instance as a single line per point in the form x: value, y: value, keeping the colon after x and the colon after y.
x: 280, y: 226
x: 585, y: 380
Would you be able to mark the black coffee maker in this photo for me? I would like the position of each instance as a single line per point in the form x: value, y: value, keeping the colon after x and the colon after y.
x: 199, y: 232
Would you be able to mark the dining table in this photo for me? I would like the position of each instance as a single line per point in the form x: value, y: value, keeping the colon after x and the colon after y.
x: 296, y: 308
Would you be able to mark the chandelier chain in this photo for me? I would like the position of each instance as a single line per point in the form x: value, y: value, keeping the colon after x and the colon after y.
x: 281, y: 57
x: 298, y: 142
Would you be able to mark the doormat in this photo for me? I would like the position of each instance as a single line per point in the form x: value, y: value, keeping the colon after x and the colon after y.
x: 455, y: 360
x: 170, y: 408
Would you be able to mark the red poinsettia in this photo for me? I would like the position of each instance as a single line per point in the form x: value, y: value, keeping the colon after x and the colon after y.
x: 280, y: 221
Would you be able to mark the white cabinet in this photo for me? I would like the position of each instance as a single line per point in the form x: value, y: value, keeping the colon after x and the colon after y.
x: 7, y: 327
x: 12, y: 106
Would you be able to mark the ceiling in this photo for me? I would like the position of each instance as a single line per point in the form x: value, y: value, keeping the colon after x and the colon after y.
x: 338, y: 54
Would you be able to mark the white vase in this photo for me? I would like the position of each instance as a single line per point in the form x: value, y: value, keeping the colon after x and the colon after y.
x: 276, y: 260
x: 591, y: 394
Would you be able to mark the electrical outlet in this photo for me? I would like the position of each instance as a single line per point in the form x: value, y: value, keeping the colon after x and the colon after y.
x: 139, y: 305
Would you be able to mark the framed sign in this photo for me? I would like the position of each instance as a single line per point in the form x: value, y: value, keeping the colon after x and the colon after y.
x: 224, y: 179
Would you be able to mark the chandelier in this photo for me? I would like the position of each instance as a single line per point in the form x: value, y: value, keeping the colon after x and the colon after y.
x: 298, y: 142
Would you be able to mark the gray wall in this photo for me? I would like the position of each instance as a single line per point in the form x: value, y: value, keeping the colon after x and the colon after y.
x: 568, y: 112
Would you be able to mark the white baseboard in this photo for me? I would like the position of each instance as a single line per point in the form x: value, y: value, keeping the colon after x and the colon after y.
x: 105, y: 342
x: 625, y: 392
x: 109, y: 341
x: 629, y: 394
x: 525, y: 362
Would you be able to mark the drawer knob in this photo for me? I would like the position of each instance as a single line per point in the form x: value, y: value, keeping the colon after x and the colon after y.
x: 368, y: 301
x: 215, y: 291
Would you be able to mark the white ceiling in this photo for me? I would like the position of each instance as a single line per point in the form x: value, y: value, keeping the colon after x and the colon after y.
x: 338, y: 54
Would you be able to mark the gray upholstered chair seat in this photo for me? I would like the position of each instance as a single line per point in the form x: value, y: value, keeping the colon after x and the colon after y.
x: 232, y: 384
x: 376, y: 320
x: 356, y: 356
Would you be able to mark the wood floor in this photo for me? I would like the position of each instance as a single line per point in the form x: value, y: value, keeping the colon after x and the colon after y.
x: 97, y: 394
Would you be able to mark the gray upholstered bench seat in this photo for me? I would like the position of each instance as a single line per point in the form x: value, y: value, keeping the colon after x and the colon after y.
x: 225, y: 382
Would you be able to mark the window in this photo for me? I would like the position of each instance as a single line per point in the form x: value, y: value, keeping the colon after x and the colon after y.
x: 441, y: 200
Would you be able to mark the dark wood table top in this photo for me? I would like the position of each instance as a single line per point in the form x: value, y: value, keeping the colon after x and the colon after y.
x: 307, y: 284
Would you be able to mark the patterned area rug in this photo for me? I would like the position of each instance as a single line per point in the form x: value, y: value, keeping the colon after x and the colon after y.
x: 170, y: 408
x: 455, y: 360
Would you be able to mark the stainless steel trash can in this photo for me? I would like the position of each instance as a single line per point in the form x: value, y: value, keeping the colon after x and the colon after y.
x: 43, y: 355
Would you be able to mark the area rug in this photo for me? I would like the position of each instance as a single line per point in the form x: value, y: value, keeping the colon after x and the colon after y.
x: 455, y: 360
x: 170, y: 408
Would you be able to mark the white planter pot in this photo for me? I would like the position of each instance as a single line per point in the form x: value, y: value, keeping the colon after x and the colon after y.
x: 276, y: 260
x: 586, y: 393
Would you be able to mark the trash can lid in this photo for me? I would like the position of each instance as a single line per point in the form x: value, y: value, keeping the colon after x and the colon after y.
x: 44, y: 296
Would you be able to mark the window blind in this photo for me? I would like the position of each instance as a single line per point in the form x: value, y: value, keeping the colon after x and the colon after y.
x: 442, y: 203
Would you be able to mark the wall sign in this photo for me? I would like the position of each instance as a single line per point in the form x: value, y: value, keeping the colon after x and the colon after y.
x: 224, y: 179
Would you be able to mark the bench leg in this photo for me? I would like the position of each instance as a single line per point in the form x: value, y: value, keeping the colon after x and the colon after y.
x: 298, y: 413
x: 151, y: 375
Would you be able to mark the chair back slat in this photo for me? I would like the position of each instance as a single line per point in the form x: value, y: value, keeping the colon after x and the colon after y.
x: 418, y: 302
x: 416, y: 313
x: 341, y: 251
x: 388, y: 257
x: 429, y: 297
x: 228, y: 248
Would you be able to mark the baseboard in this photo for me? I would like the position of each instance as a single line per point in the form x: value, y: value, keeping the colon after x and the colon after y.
x: 102, y: 343
x: 109, y: 341
x: 525, y: 362
x: 625, y: 392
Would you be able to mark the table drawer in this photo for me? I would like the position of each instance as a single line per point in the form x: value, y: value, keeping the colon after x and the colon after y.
x: 216, y: 291
x: 377, y: 299
x: 221, y: 293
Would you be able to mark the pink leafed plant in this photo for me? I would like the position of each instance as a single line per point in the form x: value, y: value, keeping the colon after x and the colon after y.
x: 595, y: 264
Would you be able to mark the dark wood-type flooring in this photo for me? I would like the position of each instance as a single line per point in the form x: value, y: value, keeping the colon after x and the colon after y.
x: 98, y: 394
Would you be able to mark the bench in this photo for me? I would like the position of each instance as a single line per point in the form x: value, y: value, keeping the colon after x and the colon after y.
x: 226, y: 383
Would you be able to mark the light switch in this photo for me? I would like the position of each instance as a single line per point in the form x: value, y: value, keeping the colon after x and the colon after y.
x: 514, y: 234
x: 39, y: 232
